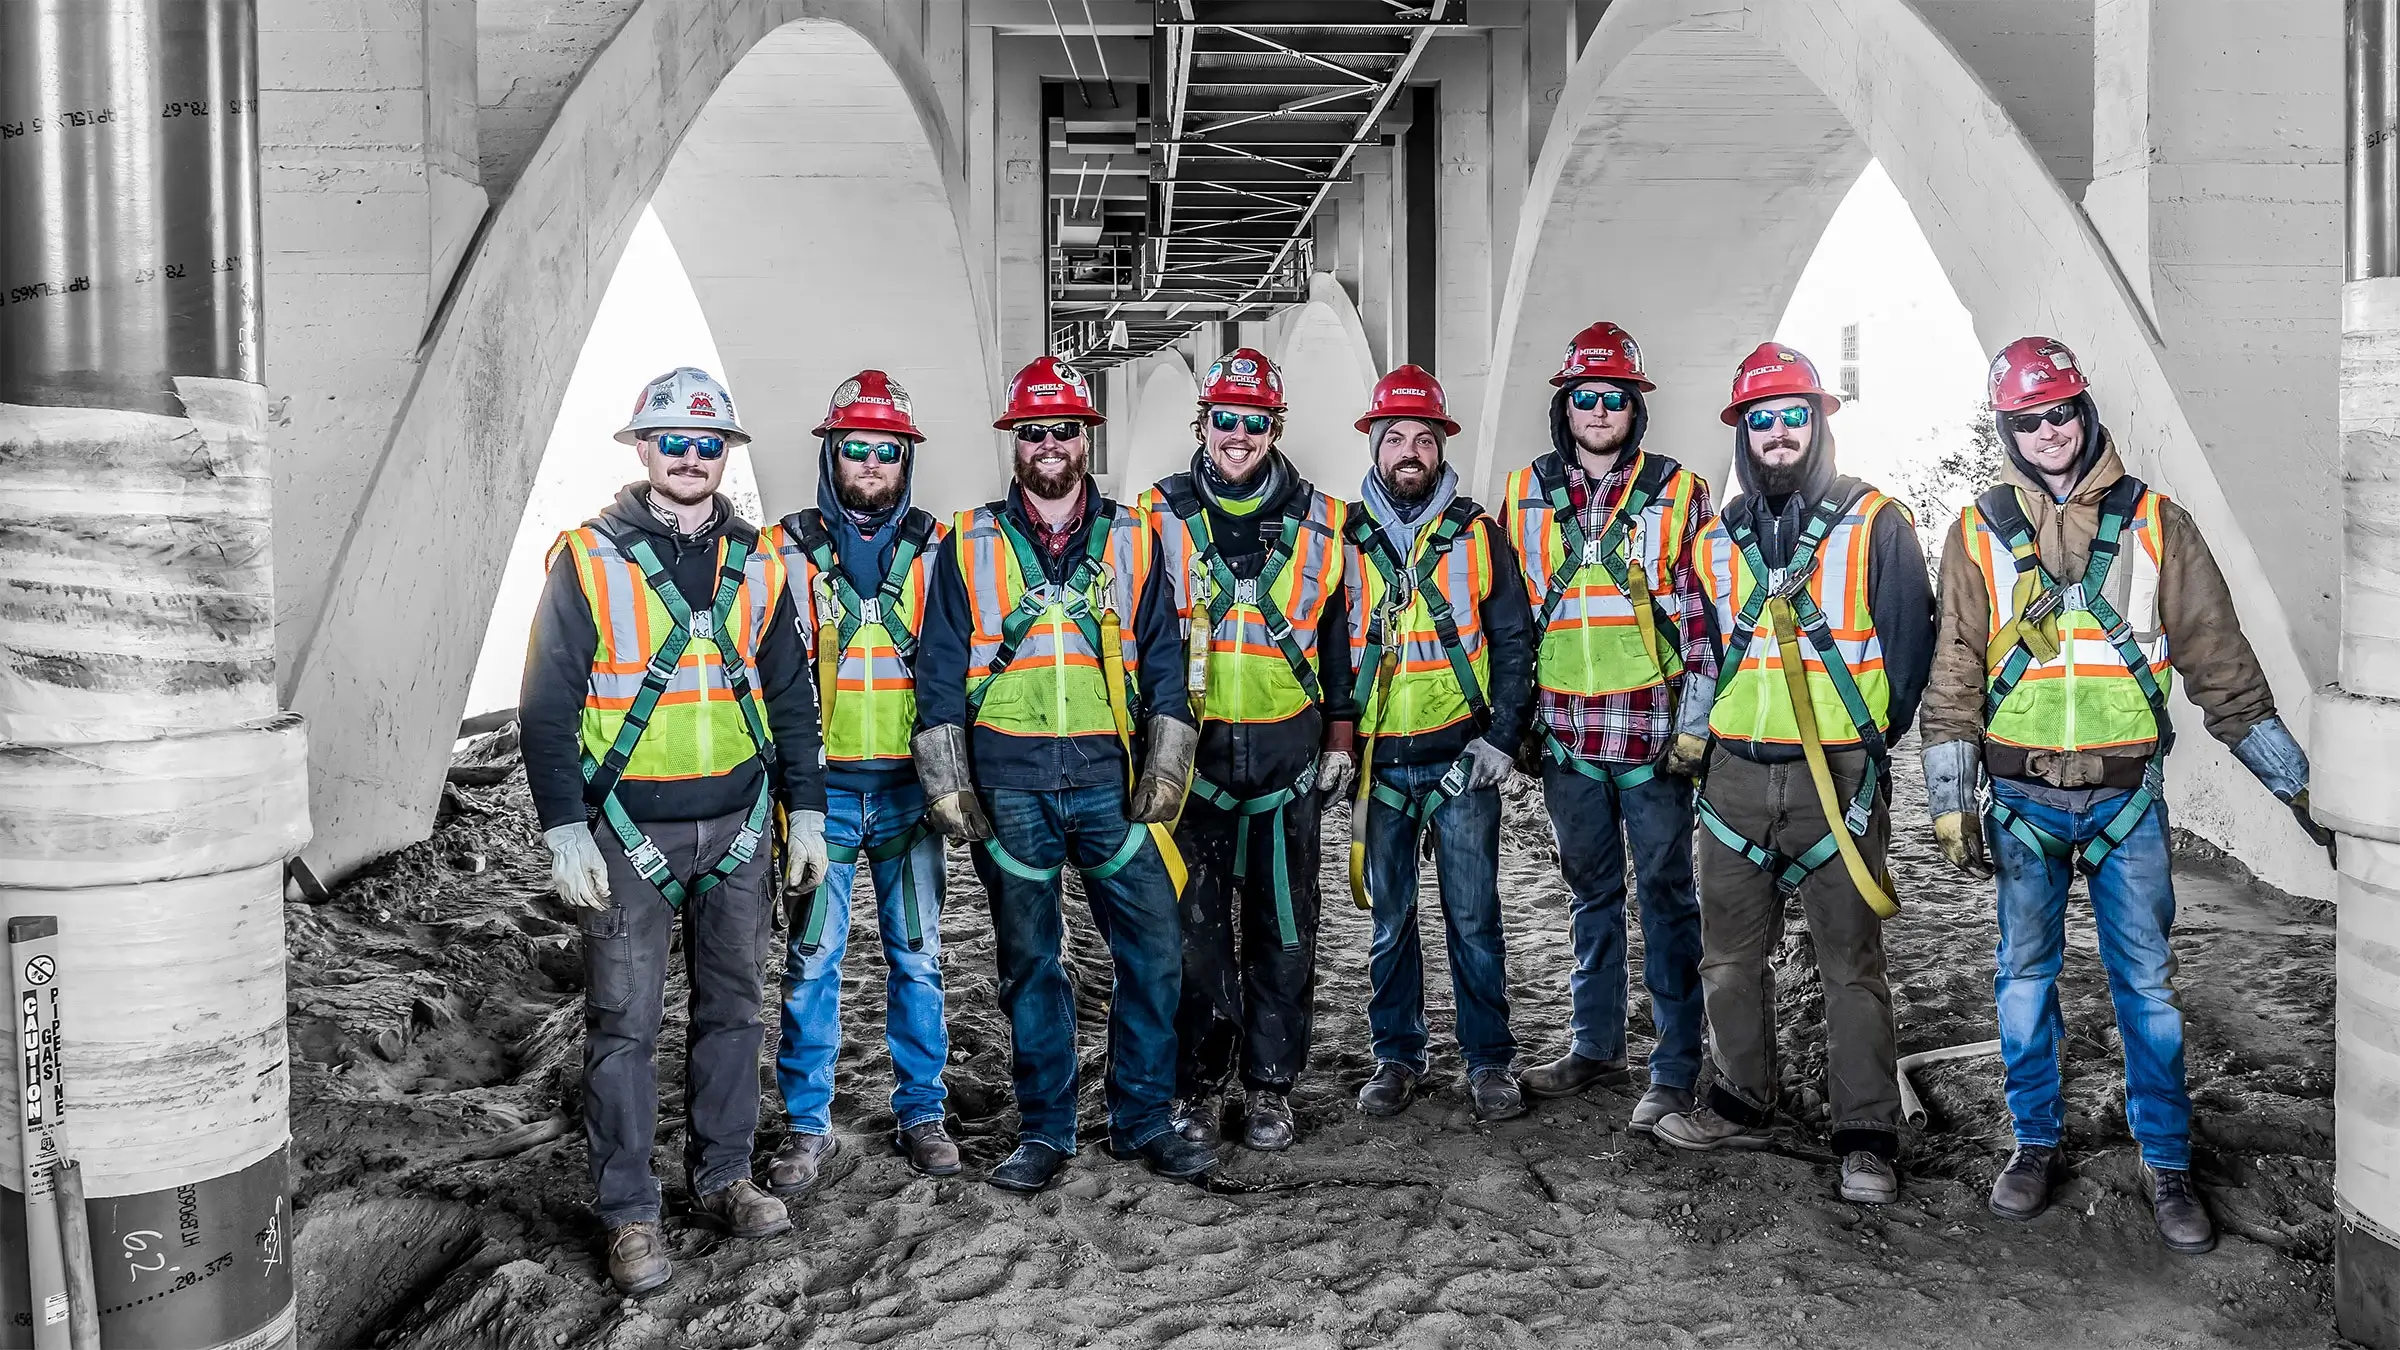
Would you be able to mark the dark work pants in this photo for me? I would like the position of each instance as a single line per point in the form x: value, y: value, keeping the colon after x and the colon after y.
x: 1242, y: 988
x: 1741, y: 925
x: 725, y: 937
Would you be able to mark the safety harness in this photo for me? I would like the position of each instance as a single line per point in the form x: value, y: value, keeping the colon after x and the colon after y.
x: 1608, y: 552
x: 838, y: 624
x: 1083, y: 594
x: 600, y: 777
x: 1214, y: 595
x: 2040, y: 600
x: 1783, y: 596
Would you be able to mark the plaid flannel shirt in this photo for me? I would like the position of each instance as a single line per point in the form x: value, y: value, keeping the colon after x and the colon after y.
x: 1632, y: 727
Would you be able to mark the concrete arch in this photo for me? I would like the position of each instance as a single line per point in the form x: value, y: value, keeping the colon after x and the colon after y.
x: 1329, y: 370
x: 1156, y: 440
x: 383, y: 670
x: 1697, y: 151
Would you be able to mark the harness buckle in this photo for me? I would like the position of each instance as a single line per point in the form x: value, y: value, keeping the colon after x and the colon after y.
x: 2073, y: 599
x: 1856, y: 819
x: 1245, y: 591
x: 1785, y: 582
x: 1454, y: 783
x: 2049, y: 602
x: 1044, y: 595
x: 1591, y: 553
x: 703, y: 625
x: 870, y: 610
x: 646, y: 858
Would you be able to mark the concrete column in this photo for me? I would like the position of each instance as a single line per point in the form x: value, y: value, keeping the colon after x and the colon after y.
x: 1463, y: 262
x: 1554, y: 41
x: 149, y: 791
x: 2357, y: 732
x: 1512, y: 112
x: 1021, y: 257
x: 1380, y: 306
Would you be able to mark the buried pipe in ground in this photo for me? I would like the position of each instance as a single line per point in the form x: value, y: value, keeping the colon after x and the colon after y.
x: 1912, y: 1107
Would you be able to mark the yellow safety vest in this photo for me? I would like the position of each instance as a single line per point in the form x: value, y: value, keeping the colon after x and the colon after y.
x: 1594, y: 641
x: 1752, y: 703
x: 1429, y: 690
x: 1251, y: 677
x: 1049, y: 682
x: 870, y: 712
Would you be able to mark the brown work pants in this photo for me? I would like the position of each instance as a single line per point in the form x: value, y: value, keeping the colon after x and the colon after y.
x: 1741, y: 925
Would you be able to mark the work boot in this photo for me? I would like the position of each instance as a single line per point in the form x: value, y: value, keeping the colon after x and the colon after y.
x: 1389, y: 1091
x: 1868, y: 1178
x: 800, y: 1164
x: 1031, y: 1168
x: 1170, y: 1155
x: 746, y: 1211
x: 928, y: 1148
x: 637, y: 1258
x: 1197, y: 1118
x: 1267, y: 1121
x: 1702, y: 1130
x: 2022, y: 1190
x: 2182, y: 1219
x: 1571, y: 1073
x: 1494, y: 1093
x: 1656, y: 1105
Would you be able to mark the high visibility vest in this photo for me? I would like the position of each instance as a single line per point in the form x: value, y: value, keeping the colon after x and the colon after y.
x: 697, y: 730
x: 1252, y: 675
x: 1752, y: 701
x: 1049, y: 681
x: 1430, y: 686
x: 871, y: 711
x: 1593, y: 642
x: 2086, y: 696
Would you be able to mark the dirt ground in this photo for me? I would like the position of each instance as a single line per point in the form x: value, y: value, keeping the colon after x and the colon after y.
x: 436, y: 1039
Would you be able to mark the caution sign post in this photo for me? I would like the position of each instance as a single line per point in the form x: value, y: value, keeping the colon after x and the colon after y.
x: 33, y: 1020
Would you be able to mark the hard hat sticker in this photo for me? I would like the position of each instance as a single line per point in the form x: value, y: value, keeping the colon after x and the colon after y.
x: 1245, y: 366
x: 847, y: 394
x: 702, y: 406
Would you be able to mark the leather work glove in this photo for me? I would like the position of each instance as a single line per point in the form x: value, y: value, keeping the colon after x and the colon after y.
x: 941, y: 756
x: 2323, y: 837
x: 1166, y: 772
x: 1960, y: 838
x: 1687, y: 755
x: 576, y: 870
x: 804, y: 840
x: 1337, y: 773
x: 1487, y: 765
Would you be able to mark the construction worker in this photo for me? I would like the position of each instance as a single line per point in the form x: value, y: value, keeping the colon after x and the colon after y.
x: 1823, y: 615
x: 1442, y: 640
x: 2059, y: 643
x: 666, y: 708
x: 1253, y: 553
x: 1051, y: 635
x: 859, y: 562
x: 1604, y: 531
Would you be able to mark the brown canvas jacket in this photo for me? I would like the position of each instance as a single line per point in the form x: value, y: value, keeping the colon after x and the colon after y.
x: 2219, y: 671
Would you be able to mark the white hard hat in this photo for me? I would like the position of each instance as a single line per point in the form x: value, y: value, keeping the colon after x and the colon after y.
x: 685, y: 398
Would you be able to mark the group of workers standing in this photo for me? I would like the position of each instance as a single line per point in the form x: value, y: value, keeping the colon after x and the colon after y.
x: 1167, y: 694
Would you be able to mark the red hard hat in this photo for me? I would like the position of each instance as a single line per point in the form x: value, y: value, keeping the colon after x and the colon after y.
x: 1776, y: 371
x: 1411, y: 392
x: 870, y: 401
x: 2035, y: 370
x: 1243, y: 377
x: 1048, y: 388
x: 1603, y: 352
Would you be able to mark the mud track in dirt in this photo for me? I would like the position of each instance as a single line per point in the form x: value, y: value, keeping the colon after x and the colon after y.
x: 436, y: 1038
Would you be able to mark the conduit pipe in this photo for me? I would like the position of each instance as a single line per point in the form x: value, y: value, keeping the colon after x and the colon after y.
x: 2355, y: 736
x: 1912, y: 1107
x: 150, y: 790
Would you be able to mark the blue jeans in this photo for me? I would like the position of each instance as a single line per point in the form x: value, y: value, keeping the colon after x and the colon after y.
x: 2133, y: 906
x: 1134, y: 909
x: 913, y: 1026
x: 1656, y: 820
x: 1466, y: 834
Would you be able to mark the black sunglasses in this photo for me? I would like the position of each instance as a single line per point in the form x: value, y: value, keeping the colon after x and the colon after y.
x: 1225, y: 419
x: 885, y: 452
x: 1615, y: 400
x: 2029, y: 423
x: 1034, y: 433
x: 1760, y: 419
x: 675, y: 444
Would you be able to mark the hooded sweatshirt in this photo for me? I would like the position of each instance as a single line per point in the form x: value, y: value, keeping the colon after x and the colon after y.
x: 2219, y: 671
x: 558, y: 669
x: 1899, y: 595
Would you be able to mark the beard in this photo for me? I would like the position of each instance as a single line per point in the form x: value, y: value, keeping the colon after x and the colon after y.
x: 684, y: 489
x: 1604, y: 440
x: 1778, y: 480
x: 1410, y: 495
x: 869, y: 498
x: 1052, y: 484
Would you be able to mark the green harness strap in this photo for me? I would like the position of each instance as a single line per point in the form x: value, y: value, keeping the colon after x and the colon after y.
x: 1371, y: 544
x: 601, y: 776
x: 812, y: 934
x: 1419, y: 811
x: 1271, y: 806
x: 2002, y: 511
x: 1792, y: 585
x: 1607, y: 551
x: 1556, y: 751
x: 1116, y: 862
x: 1227, y: 590
x: 916, y: 531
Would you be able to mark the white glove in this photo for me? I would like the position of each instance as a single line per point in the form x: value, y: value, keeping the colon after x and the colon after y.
x: 1487, y: 765
x: 576, y: 870
x: 804, y: 840
x: 1337, y: 773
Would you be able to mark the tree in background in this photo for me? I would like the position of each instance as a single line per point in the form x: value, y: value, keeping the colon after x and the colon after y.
x: 1940, y: 484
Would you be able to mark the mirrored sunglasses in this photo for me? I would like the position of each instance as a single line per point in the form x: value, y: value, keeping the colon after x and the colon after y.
x: 885, y: 452
x: 1224, y: 419
x: 1615, y: 400
x: 1759, y: 419
x: 676, y: 444
x: 2029, y: 423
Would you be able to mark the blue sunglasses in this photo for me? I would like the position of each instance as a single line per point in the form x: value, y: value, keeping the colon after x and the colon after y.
x: 1587, y: 399
x: 1759, y: 419
x: 675, y: 444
